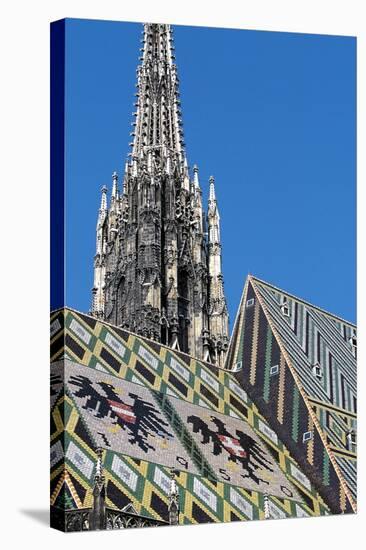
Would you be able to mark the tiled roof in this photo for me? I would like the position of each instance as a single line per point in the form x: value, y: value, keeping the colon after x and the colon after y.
x: 315, y: 353
x: 190, y: 407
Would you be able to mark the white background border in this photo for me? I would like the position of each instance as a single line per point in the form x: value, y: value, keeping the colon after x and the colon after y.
x: 24, y: 285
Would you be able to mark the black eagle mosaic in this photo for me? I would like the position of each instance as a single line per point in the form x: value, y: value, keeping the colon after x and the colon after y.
x: 132, y: 420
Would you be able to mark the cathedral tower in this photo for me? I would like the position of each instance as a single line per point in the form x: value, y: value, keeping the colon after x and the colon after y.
x: 157, y: 268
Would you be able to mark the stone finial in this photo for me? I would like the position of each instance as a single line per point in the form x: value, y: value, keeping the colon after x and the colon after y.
x: 173, y: 499
x: 103, y: 202
x: 195, y: 176
x: 212, y: 196
x: 134, y: 166
x: 97, y: 513
x: 99, y: 464
x: 114, y: 185
x: 168, y: 165
x: 267, y: 513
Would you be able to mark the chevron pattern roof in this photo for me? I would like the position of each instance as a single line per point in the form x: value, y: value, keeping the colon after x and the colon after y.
x: 299, y: 366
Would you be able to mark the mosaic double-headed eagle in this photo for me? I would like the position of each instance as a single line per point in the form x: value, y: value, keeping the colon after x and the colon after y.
x: 242, y: 449
x: 140, y: 419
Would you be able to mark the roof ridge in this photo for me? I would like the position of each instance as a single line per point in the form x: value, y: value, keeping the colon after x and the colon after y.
x: 236, y: 324
x: 328, y: 313
x: 144, y: 338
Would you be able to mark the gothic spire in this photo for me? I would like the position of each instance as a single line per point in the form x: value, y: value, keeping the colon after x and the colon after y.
x: 158, y: 120
x: 155, y: 271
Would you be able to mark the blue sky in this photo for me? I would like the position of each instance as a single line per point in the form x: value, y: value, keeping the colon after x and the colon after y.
x: 271, y: 115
